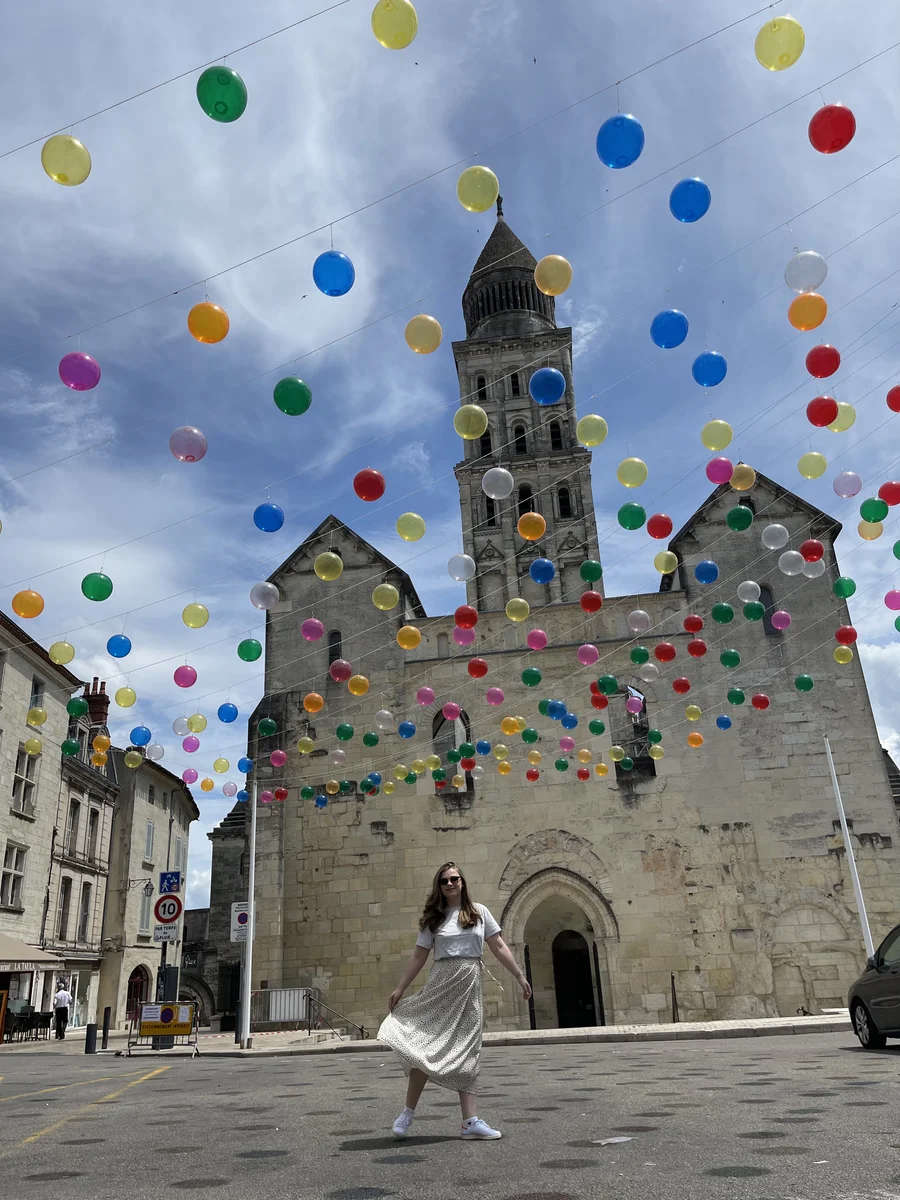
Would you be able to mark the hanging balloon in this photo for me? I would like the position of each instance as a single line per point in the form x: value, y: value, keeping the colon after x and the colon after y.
x: 844, y: 587
x: 709, y: 369
x: 631, y: 472
x: 70, y: 747
x: 591, y: 602
x: 180, y: 727
x: 531, y: 526
x: 692, y: 623
x: 846, y: 635
x: 890, y: 493
x: 620, y: 141
x: 542, y: 570
x: 463, y: 637
x: 847, y: 484
x: 716, y: 435
x: 208, y: 323
x: 553, y: 274
x: 874, y: 509
x: 333, y: 273
x: 312, y: 629
x: 466, y: 616
x: 639, y: 655
x: 28, y: 604
x: 249, y: 650
x: 719, y: 470
x: 62, y: 653
x: 191, y: 744
x: 781, y: 620
x: 79, y: 371
x: 313, y: 702
x: 591, y: 430
x: 36, y: 717
x: 814, y: 570
x: 547, y: 386
x: 832, y: 128
x: 461, y: 567
x: 697, y: 648
x: 536, y: 639
x: 739, y: 518
x: 195, y: 615
x: 689, y: 200
x: 222, y: 94
x: 659, y: 526
x: 185, y: 676
x: 666, y: 562
x: 706, y: 572
x: 125, y: 697
x: 722, y: 614
x: 328, y: 566
x: 669, y: 328
x: 340, y: 670
x: 408, y: 637
x: 631, y: 516
x: 470, y: 422
x: 385, y: 597
x: 812, y: 550
x: 227, y: 713
x: 791, y: 562
x: 477, y: 189
x: 822, y: 411
x: 807, y: 311
x: 292, y: 396
x: 395, y: 23
x: 497, y: 483
x: 357, y: 685
x: 423, y: 334
x: 368, y: 484
x: 410, y: 527
x: 812, y: 465
x: 65, y: 160
x: 187, y: 444
x: 822, y: 361
x: 229, y: 789
x: 517, y: 609
x: 477, y: 668
x: 268, y: 518
x: 870, y: 531
x: 845, y: 419
x: 639, y: 621
x: 806, y: 272
x: 743, y: 477
x: 893, y: 399
x: 779, y: 43
x: 664, y: 652
x: 96, y: 586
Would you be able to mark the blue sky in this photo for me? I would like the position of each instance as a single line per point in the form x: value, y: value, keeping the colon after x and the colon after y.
x: 334, y: 122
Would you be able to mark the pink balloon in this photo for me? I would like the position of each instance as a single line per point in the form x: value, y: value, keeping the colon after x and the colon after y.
x: 536, y: 639
x: 79, y: 371
x: 185, y: 677
x: 633, y: 705
x: 340, y: 670
x: 190, y: 744
x: 278, y: 758
x: 494, y: 695
x: 780, y: 619
x: 450, y: 710
x: 567, y: 744
x: 312, y: 629
x: 588, y: 654
x: 229, y: 789
x: 892, y: 600
x: 188, y: 444
x: 463, y: 637
x: 425, y: 695
x: 189, y: 776
x: 266, y: 797
x: 719, y: 470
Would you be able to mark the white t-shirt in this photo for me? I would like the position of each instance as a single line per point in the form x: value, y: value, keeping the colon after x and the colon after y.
x: 449, y: 941
x: 62, y: 999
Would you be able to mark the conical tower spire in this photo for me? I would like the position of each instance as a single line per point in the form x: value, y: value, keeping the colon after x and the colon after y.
x: 501, y: 299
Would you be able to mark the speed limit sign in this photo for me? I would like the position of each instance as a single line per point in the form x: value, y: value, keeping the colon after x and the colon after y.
x: 167, y: 909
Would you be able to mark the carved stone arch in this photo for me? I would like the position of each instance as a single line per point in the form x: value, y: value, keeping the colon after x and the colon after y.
x: 805, y: 898
x: 199, y: 991
x: 557, y: 881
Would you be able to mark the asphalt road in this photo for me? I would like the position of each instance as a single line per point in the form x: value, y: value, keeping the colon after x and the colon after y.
x: 781, y: 1118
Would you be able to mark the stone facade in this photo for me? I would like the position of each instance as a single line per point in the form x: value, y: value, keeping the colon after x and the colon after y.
x: 716, y: 872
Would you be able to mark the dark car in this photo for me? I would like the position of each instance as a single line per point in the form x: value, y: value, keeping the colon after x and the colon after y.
x: 874, y: 999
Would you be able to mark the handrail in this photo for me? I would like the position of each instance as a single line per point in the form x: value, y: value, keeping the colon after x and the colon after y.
x: 316, y: 1004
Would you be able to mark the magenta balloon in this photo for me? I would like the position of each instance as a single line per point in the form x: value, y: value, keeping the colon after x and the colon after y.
x: 312, y: 629
x: 566, y: 744
x: 79, y: 371
x: 187, y: 444
x: 340, y: 670
x: 191, y: 744
x: 425, y: 695
x: 780, y: 619
x: 892, y: 600
x: 847, y: 484
x: 536, y: 639
x: 278, y: 758
x: 463, y: 637
x: 229, y: 789
x: 266, y: 797
x: 719, y: 470
x: 494, y: 695
x: 185, y: 677
x: 633, y: 705
x: 450, y: 710
x: 588, y: 654
x: 189, y: 776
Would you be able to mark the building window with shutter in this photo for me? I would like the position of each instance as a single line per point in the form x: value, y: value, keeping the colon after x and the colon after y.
x: 93, y: 835
x: 37, y: 693
x: 65, y: 900
x: 146, y: 912
x: 24, y: 782
x: 12, y: 880
x: 179, y: 853
x: 84, y: 914
x: 71, y: 844
x: 148, y: 845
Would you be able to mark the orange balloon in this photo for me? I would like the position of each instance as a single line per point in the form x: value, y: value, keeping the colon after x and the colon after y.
x: 695, y: 739
x: 531, y: 526
x: 207, y: 322
x: 807, y: 311
x: 98, y: 759
x: 100, y: 743
x: 313, y: 702
x: 28, y: 604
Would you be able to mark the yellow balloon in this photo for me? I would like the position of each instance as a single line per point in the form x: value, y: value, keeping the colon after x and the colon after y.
x: 410, y: 526
x: 400, y: 771
x: 195, y: 616
x: 500, y: 751
x: 553, y: 274
x: 470, y: 422
x: 843, y: 655
x: 656, y: 752
x: 197, y: 723
x: 328, y: 566
x: 743, y: 478
x: 812, y: 465
x: 306, y: 745
x: 206, y: 785
x: 385, y: 597
x: 357, y: 685
x: 870, y: 530
x: 125, y: 697
x: 423, y: 334
x: 518, y: 609
x: 394, y: 23
x: 133, y: 758
x: 408, y: 637
x: 666, y: 561
x: 36, y: 717
x: 509, y: 726
x: 62, y: 653
x: 389, y: 787
x: 432, y: 762
x: 631, y: 472
x: 534, y: 757
x: 33, y: 745
x: 584, y: 756
x: 716, y: 435
x: 221, y: 765
x: 504, y: 768
x: 779, y: 43
x: 100, y: 743
x: 591, y: 430
x: 477, y: 189
x: 845, y: 419
x: 417, y: 766
x: 601, y: 769
x: 458, y: 781
x: 332, y: 787
x: 98, y: 759
x: 521, y: 724
x: 693, y: 712
x: 65, y: 160
x: 616, y: 753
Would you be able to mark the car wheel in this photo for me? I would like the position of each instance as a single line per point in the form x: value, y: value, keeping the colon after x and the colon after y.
x: 869, y: 1037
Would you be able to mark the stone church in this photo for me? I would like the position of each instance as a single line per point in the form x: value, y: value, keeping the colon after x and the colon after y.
x: 715, y: 877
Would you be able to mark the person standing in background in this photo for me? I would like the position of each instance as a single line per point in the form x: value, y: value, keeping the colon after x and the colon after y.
x: 62, y: 1002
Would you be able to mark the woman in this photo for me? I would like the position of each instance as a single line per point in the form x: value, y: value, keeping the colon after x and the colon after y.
x: 437, y: 1032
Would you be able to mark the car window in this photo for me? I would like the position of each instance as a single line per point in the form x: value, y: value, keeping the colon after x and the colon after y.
x: 890, y: 949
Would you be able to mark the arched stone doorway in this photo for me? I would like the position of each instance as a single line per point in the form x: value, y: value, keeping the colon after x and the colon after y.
x: 138, y: 991
x: 193, y: 990
x: 573, y: 981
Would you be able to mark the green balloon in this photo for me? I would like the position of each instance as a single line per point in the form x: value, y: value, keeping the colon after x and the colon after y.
x: 722, y: 613
x: 754, y: 611
x: 411, y: 777
x: 77, y: 707
x: 654, y: 737
x: 249, y: 650
x: 736, y: 696
x: 70, y: 747
x: 562, y: 764
x: 639, y: 655
x: 896, y: 549
x: 530, y: 736
x: 591, y: 570
x: 627, y: 764
x: 438, y: 774
x: 873, y: 509
x: 608, y: 685
x: 292, y: 396
x: 632, y: 516
x: 346, y: 786
x: 531, y: 677
x: 739, y: 518
x: 307, y: 793
x: 897, y: 624
x: 543, y: 706
x: 97, y: 586
x: 266, y: 727
x: 370, y: 738
x: 730, y: 658
x: 467, y: 750
x: 221, y: 93
x: 844, y: 587
x: 804, y: 683
x: 597, y: 727
x: 453, y: 756
x: 344, y: 732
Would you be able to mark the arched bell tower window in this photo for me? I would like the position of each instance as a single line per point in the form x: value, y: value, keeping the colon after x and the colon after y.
x: 520, y: 445
x: 556, y: 442
x: 525, y: 499
x: 490, y: 510
x: 515, y: 384
x: 481, y: 384
x: 335, y: 650
x: 565, y: 502
x: 484, y: 444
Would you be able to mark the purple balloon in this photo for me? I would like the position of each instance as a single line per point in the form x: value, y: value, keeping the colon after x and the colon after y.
x: 189, y: 776
x: 566, y: 744
x: 312, y: 629
x: 892, y: 600
x: 266, y: 797
x: 494, y: 695
x: 536, y: 639
x: 463, y: 637
x: 780, y: 619
x: 187, y: 444
x: 190, y: 744
x: 79, y: 371
x: 847, y: 484
x: 633, y: 705
x: 229, y: 789
x: 719, y: 470
x: 450, y: 710
x: 588, y: 654
x: 185, y: 676
x: 424, y: 696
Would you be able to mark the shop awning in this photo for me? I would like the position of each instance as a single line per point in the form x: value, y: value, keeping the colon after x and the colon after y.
x: 19, y: 956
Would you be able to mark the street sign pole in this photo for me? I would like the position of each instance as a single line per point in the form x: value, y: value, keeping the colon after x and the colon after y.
x: 246, y: 988
x: 851, y: 861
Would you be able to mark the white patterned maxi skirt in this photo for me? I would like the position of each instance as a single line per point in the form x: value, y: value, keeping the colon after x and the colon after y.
x: 438, y: 1029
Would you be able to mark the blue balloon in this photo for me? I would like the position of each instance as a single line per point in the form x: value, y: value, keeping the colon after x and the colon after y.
x: 556, y: 710
x: 669, y: 328
x: 227, y: 713
x: 374, y: 777
x: 547, y: 386
x: 542, y: 570
x: 242, y: 796
x: 140, y: 735
x: 333, y: 273
x: 406, y: 729
x: 689, y: 200
x: 723, y: 722
x: 321, y: 800
x: 706, y: 572
x: 268, y: 517
x: 709, y: 368
x: 569, y: 721
x: 620, y: 141
x: 118, y: 645
x: 482, y: 748
x: 245, y: 765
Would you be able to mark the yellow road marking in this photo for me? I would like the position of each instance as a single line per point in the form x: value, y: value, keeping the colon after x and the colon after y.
x: 61, y: 1086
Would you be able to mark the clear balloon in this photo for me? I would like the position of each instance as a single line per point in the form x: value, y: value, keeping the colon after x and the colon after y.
x: 461, y: 567
x: 497, y: 483
x: 553, y: 274
x: 620, y: 141
x: 79, y: 371
x: 477, y: 189
x: 649, y: 672
x: 779, y: 43
x: 669, y: 328
x: 188, y: 444
x: 791, y: 562
x: 155, y: 752
x: 423, y: 334
x: 748, y: 591
x: 333, y: 273
x: 689, y: 200
x: 774, y: 537
x: 65, y: 160
x: 639, y: 621
x: 847, y: 484
x: 814, y: 570
x: 591, y: 430
x: 384, y: 720
x: 264, y: 595
x: 180, y: 726
x: 806, y: 271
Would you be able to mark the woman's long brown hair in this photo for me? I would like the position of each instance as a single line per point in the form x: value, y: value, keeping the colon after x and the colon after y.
x: 436, y: 906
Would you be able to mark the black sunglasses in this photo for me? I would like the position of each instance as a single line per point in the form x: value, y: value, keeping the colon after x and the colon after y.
x: 450, y: 879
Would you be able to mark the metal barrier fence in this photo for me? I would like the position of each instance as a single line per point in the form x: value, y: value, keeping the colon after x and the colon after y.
x: 280, y: 1006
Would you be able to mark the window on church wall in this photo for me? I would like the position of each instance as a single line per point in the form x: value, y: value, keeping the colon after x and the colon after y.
x: 766, y: 598
x: 490, y: 511
x: 490, y: 590
x: 556, y: 441
x: 629, y: 730
x: 525, y: 500
x: 515, y: 385
x: 443, y: 645
x: 481, y: 387
x: 335, y: 650
x: 520, y: 442
x: 565, y: 503
x: 484, y: 444
x: 447, y: 735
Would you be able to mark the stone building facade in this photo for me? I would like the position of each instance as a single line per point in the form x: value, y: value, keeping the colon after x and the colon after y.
x: 715, y: 871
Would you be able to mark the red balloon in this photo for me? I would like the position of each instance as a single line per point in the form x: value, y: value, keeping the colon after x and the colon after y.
x: 532, y: 774
x: 890, y: 493
x: 477, y: 668
x: 893, y: 399
x: 822, y: 411
x: 681, y: 685
x: 812, y: 550
x: 466, y: 616
x: 368, y: 484
x: 693, y: 624
x: 659, y: 525
x: 832, y: 128
x: 440, y: 783
x: 823, y: 361
x: 760, y: 701
x: 600, y: 701
x: 665, y: 651
x: 583, y: 774
x: 467, y: 763
x: 846, y: 635
x: 696, y: 648
x: 591, y: 602
x: 281, y: 794
x: 595, y: 691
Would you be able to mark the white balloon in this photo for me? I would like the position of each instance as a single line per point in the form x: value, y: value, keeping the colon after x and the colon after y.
x: 461, y: 567
x: 648, y: 672
x: 774, y: 537
x: 847, y: 484
x: 339, y: 757
x: 181, y: 727
x: 229, y: 789
x: 791, y: 562
x: 264, y: 595
x: 477, y: 773
x: 384, y: 720
x: 748, y: 591
x: 806, y: 271
x: 813, y: 570
x: 497, y: 483
x: 155, y: 751
x: 639, y: 621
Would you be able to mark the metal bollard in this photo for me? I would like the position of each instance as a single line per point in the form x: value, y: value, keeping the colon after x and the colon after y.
x: 237, y: 1023
x: 90, y: 1039
x: 107, y: 1016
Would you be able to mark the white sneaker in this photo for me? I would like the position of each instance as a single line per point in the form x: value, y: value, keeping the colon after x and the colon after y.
x: 476, y: 1128
x: 400, y: 1128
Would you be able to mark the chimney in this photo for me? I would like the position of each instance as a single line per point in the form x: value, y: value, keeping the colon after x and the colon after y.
x: 98, y: 702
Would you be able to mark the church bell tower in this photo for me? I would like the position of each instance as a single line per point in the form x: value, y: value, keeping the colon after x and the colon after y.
x: 511, y: 332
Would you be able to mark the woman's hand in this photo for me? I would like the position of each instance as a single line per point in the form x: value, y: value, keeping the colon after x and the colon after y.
x: 526, y: 988
x: 395, y: 998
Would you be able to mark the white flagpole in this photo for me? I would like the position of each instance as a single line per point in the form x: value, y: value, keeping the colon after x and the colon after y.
x: 246, y: 989
x: 851, y: 861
